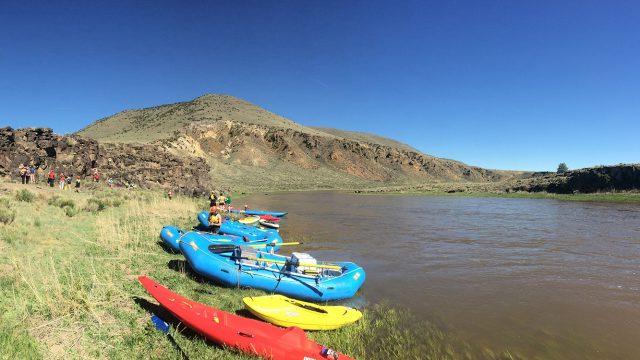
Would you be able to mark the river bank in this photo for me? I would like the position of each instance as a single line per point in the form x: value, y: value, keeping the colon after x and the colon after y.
x: 68, y: 284
x: 618, y: 197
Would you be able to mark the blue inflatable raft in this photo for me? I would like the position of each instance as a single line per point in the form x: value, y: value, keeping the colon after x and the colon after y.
x: 255, y: 212
x: 172, y: 235
x: 293, y: 276
x: 230, y: 227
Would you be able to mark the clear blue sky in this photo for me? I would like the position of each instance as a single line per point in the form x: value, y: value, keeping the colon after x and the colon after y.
x: 498, y: 84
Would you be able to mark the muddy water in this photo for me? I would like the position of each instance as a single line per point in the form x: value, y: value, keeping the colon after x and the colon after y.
x: 543, y: 278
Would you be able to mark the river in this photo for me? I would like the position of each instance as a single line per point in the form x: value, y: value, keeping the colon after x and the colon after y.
x: 542, y: 278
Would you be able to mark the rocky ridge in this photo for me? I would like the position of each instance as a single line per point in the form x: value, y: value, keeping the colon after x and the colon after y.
x: 143, y: 165
x: 255, y: 145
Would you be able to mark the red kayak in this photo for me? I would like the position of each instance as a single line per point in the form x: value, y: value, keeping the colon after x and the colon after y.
x: 247, y: 335
x: 270, y: 218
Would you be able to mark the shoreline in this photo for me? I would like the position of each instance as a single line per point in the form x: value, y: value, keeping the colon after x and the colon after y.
x: 610, y: 197
x: 591, y: 197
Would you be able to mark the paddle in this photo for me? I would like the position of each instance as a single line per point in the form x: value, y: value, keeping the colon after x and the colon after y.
x: 220, y: 249
x: 322, y: 266
x: 224, y: 248
x: 163, y: 327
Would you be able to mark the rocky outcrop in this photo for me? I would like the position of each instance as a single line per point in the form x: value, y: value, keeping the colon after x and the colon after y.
x: 623, y: 177
x: 373, y: 162
x: 145, y: 166
x: 73, y: 155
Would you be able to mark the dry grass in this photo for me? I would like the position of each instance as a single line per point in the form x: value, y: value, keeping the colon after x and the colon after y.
x: 68, y: 287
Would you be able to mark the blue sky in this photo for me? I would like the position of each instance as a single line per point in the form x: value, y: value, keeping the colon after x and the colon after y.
x: 502, y: 84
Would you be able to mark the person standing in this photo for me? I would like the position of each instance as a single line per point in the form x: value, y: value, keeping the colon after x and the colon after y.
x: 32, y: 173
x: 213, y: 199
x: 77, y: 184
x: 62, y: 181
x: 51, y: 178
x: 23, y: 173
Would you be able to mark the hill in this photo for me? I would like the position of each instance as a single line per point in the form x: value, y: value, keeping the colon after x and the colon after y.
x: 248, y: 147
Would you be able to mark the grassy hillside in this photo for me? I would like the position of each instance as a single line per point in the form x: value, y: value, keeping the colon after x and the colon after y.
x: 161, y: 122
x: 68, y: 285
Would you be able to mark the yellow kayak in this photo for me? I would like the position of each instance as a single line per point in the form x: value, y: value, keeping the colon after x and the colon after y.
x: 250, y: 220
x: 283, y: 311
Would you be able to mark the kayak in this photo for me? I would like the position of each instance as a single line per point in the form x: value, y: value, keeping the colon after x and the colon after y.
x: 299, y: 276
x: 230, y: 227
x: 278, y: 214
x: 172, y: 235
x: 283, y: 311
x: 270, y: 218
x: 249, y: 336
x: 269, y: 224
x: 250, y: 220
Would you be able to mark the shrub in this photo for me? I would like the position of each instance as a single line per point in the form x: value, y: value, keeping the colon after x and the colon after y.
x: 60, y: 202
x: 99, y: 204
x: 70, y: 211
x: 25, y: 195
x: 7, y: 215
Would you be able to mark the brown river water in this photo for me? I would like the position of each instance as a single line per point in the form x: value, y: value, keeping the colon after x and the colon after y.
x: 541, y: 278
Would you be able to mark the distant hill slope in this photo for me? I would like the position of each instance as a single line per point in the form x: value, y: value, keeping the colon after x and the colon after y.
x: 366, y: 137
x: 161, y: 122
x: 249, y: 147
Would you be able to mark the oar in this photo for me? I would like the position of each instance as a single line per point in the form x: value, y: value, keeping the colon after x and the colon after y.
x: 163, y: 327
x: 219, y: 249
x: 322, y: 266
x: 223, y: 248
x: 280, y: 244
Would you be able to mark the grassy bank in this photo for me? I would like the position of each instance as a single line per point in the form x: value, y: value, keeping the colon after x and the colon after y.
x: 68, y: 289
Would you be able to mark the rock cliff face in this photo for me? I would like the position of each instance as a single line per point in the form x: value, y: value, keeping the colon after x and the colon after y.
x: 251, y: 148
x: 256, y: 145
x: 146, y: 166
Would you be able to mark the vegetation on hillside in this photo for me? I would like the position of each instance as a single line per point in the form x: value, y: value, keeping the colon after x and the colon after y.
x: 68, y: 286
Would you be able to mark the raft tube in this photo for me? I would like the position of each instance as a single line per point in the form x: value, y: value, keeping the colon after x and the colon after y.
x: 233, y: 269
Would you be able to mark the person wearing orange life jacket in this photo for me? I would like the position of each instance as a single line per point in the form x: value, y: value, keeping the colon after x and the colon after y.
x: 215, y: 219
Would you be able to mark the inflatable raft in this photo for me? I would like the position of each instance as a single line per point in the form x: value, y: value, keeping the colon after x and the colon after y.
x: 249, y: 336
x: 172, y: 235
x: 230, y: 227
x: 298, y: 276
x: 278, y: 214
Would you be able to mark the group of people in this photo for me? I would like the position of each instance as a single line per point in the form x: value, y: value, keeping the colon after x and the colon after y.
x: 218, y: 203
x: 31, y: 173
x: 28, y: 174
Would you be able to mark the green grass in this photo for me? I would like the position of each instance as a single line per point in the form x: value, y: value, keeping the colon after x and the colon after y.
x: 25, y: 195
x: 68, y: 288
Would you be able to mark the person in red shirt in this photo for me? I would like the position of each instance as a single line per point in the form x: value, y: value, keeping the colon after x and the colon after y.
x: 51, y: 178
